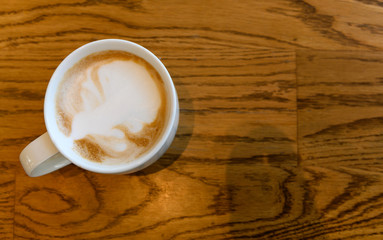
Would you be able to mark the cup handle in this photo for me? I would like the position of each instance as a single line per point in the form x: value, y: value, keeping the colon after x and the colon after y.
x: 41, y: 157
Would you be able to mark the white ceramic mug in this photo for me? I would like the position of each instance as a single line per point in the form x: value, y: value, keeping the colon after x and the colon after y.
x: 53, y: 150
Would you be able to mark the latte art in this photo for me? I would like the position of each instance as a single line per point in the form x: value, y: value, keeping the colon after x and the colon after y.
x: 112, y: 105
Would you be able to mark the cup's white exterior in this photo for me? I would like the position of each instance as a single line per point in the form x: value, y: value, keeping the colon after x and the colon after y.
x: 30, y: 158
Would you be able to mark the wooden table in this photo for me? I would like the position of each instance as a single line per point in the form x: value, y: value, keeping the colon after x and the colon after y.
x: 281, y: 125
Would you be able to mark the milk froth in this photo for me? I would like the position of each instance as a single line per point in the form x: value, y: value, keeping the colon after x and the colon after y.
x: 112, y: 105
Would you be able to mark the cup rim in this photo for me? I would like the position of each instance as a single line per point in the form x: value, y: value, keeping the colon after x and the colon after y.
x: 144, y: 159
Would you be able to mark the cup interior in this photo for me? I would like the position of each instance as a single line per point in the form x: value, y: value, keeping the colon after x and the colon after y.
x: 65, y: 145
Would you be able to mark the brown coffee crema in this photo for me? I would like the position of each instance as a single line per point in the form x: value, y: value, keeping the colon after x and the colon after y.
x: 95, y: 147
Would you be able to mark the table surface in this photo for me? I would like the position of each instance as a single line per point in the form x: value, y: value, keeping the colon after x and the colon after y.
x: 281, y: 121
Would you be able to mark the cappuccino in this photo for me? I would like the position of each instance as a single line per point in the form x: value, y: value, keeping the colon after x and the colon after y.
x: 112, y: 105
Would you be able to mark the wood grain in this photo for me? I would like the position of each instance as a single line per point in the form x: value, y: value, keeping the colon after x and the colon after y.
x: 280, y: 133
x: 7, y: 199
x: 340, y: 135
x: 340, y: 108
x: 257, y: 108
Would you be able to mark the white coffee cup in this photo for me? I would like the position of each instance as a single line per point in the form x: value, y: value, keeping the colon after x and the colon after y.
x: 52, y: 150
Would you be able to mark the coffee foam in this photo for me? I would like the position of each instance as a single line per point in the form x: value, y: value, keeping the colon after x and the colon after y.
x: 112, y: 105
